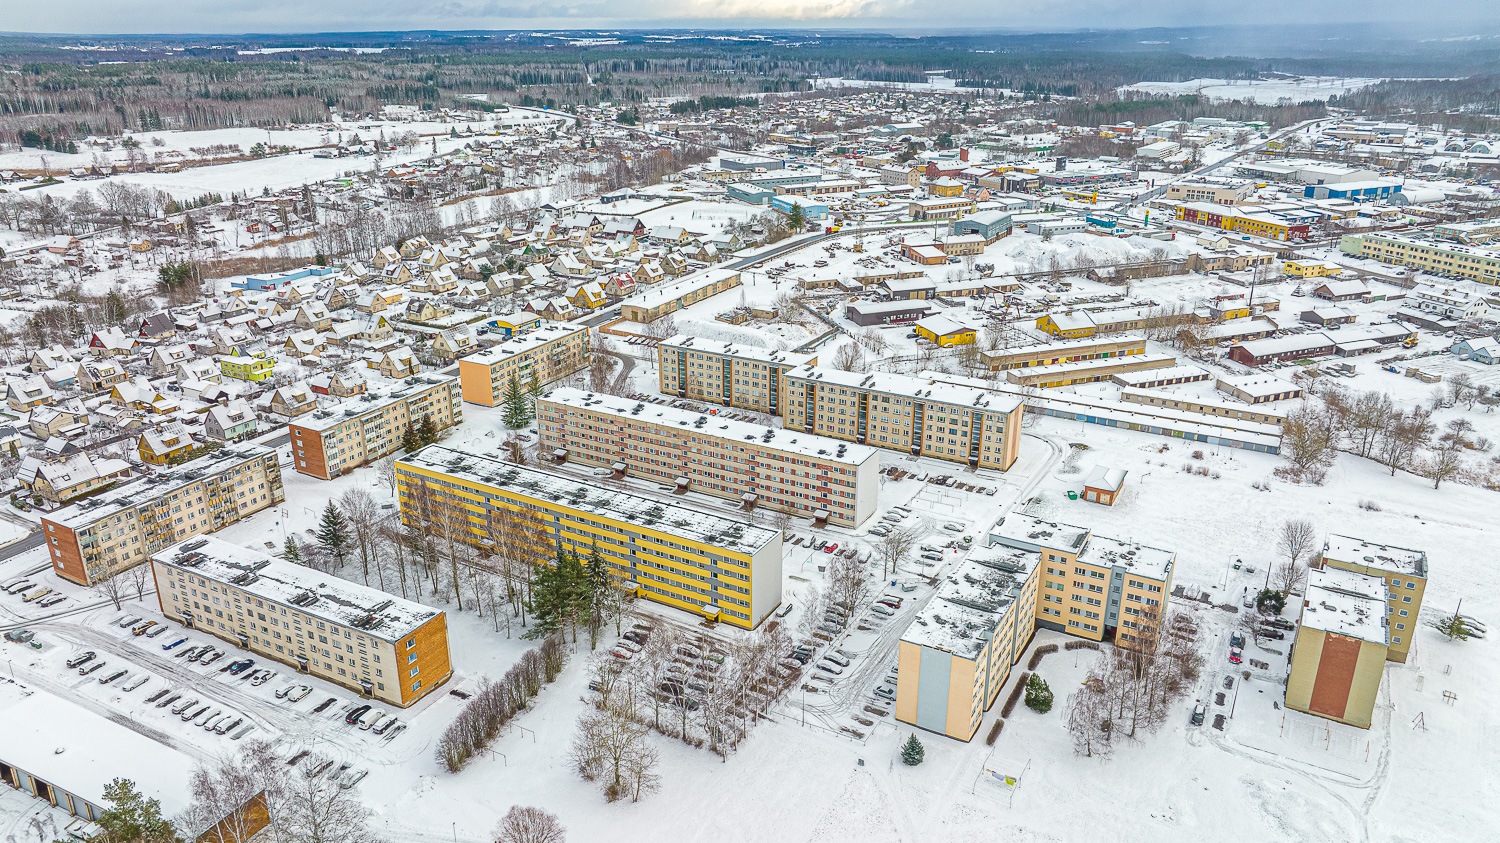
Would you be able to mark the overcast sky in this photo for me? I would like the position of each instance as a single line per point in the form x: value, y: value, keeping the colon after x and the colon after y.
x: 284, y: 16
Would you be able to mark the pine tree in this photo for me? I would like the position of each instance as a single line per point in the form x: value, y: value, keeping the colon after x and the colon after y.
x: 1038, y: 695
x: 333, y: 534
x: 911, y: 751
x: 796, y: 218
x: 599, y: 595
x: 131, y: 816
x: 517, y: 408
x: 427, y: 432
x: 1455, y: 626
x: 409, y: 439
x: 291, y: 552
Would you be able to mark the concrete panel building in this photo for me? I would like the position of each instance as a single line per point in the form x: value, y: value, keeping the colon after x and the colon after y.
x: 382, y: 647
x: 753, y: 465
x: 909, y: 414
x: 1087, y: 371
x: 546, y: 354
x: 719, y: 568
x: 732, y: 374
x: 101, y: 536
x: 341, y: 438
x: 1404, y: 572
x: 1341, y: 648
x: 1066, y: 351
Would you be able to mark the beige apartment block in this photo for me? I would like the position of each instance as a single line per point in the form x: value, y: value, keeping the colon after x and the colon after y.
x: 341, y: 438
x: 732, y: 374
x: 548, y: 354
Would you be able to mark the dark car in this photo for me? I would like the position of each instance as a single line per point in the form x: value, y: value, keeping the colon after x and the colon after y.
x: 353, y: 717
x: 241, y: 666
x: 1236, y: 640
x: 1199, y: 711
x: 175, y: 644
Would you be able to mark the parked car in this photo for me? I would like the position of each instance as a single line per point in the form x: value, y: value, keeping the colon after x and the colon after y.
x: 49, y: 602
x: 953, y: 527
x: 831, y: 548
x: 881, y: 530
x: 241, y: 666
x: 378, y: 730
x: 17, y: 588
x: 1235, y: 655
x: 80, y: 659
x: 217, y: 654
x: 883, y: 611
x: 184, y: 706
x: 36, y: 595
x: 89, y: 668
x: 126, y: 623
x: 265, y: 677
x: 836, y: 659
x: 157, y: 631
x: 143, y: 628
x: 225, y: 727
x: 370, y: 718
x: 1199, y: 711
x: 1236, y: 640
x: 299, y: 694
x: 353, y: 716
x: 175, y: 644
x: 112, y: 677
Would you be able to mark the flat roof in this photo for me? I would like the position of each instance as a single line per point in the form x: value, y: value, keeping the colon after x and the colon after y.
x: 898, y: 306
x: 1077, y: 366
x: 971, y: 602
x: 1347, y: 603
x: 1139, y: 559
x: 522, y: 343
x: 153, y: 486
x: 1387, y: 557
x: 808, y: 445
x: 1064, y: 346
x: 1130, y: 379
x: 1258, y: 385
x: 489, y: 470
x: 909, y: 386
x: 740, y: 350
x: 307, y: 590
x: 375, y: 399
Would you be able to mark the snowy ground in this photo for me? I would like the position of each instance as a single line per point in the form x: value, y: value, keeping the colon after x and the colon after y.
x: 1265, y: 91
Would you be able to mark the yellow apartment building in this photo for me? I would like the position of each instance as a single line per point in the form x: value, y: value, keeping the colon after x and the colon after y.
x: 549, y: 353
x: 381, y: 647
x: 1405, y: 574
x: 101, y: 536
x: 1341, y: 649
x: 718, y: 568
x: 913, y: 415
x: 750, y: 464
x: 732, y: 374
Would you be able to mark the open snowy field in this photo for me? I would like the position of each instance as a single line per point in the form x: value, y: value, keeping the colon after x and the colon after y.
x: 1264, y: 91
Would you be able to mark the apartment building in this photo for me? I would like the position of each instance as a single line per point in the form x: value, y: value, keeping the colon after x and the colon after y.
x: 1217, y: 193
x: 1066, y: 351
x: 1404, y: 572
x: 719, y: 568
x: 341, y: 438
x: 376, y: 645
x: 548, y: 354
x: 1343, y: 642
x: 1476, y: 263
x: 914, y: 415
x: 119, y: 529
x: 732, y: 374
x: 959, y: 650
x: 750, y: 464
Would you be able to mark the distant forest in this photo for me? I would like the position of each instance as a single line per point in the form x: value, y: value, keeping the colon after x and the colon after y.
x: 57, y: 93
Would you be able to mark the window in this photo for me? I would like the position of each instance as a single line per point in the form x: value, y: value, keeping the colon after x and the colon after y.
x: 415, y: 686
x: 410, y: 643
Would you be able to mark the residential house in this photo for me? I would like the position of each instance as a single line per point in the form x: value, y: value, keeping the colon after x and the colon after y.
x: 159, y: 447
x: 70, y: 477
x: 247, y: 363
x: 165, y: 358
x: 292, y: 400
x: 24, y: 394
x: 111, y: 342
x: 100, y: 374
x: 395, y: 363
x: 230, y: 423
x: 340, y: 384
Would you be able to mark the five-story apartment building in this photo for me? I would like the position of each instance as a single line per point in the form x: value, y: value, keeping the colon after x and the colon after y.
x: 360, y: 430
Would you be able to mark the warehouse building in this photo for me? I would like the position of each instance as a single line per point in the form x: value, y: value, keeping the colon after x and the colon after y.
x: 868, y: 314
x: 732, y: 374
x: 714, y: 567
x: 546, y: 354
x: 334, y: 441
x: 750, y: 464
x: 379, y: 646
x: 1086, y: 371
x: 1066, y: 351
x: 101, y: 536
x: 1279, y: 349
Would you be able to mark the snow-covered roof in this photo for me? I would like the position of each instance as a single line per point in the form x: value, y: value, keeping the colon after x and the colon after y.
x: 306, y: 590
x: 373, y: 400
x: 1104, y: 477
x: 972, y: 601
x: 154, y: 486
x: 522, y: 343
x: 908, y: 387
x: 1347, y: 603
x: 738, y: 350
x: 488, y: 471
x: 1360, y: 552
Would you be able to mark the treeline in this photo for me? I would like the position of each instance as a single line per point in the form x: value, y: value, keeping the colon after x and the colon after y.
x: 709, y: 103
x: 1144, y: 109
x: 496, y: 703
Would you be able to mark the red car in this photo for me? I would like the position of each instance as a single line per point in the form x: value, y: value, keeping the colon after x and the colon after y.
x: 1234, y: 656
x: 831, y: 548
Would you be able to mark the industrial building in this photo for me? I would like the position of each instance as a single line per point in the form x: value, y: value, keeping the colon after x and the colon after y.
x: 546, y: 354
x: 103, y: 535
x: 379, y: 646
x: 732, y: 374
x: 717, y: 568
x: 330, y: 442
x: 1066, y: 351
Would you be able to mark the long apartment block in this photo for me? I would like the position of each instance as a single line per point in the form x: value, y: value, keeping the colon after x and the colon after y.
x: 119, y: 529
x: 1476, y: 263
x: 720, y: 568
x: 380, y: 646
x: 750, y: 464
x: 958, y: 652
x: 913, y: 415
x: 732, y: 374
x: 336, y: 440
x: 549, y: 353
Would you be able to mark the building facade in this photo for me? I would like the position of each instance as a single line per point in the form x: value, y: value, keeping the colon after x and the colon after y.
x: 1066, y: 351
x: 547, y: 354
x: 732, y: 374
x: 1343, y: 642
x: 331, y: 442
x: 103, y: 535
x: 1404, y: 572
x: 750, y: 464
x: 379, y: 646
x: 719, y: 568
x: 903, y: 413
x: 1476, y: 263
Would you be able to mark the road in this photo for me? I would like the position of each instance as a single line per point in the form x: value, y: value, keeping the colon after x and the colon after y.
x: 20, y: 546
x: 1206, y: 169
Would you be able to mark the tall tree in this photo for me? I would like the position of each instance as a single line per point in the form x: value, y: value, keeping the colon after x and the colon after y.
x: 517, y: 408
x: 427, y: 432
x: 525, y: 824
x: 131, y: 817
x: 333, y: 534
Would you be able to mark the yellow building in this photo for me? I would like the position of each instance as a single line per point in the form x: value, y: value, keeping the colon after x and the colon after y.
x: 942, y: 331
x: 717, y: 568
x: 1086, y: 371
x: 548, y: 353
x: 1342, y: 645
x: 1310, y: 269
x: 913, y: 415
x: 1062, y: 352
x: 1404, y: 572
x: 246, y: 366
x: 732, y: 374
x: 957, y: 653
x: 384, y: 648
x: 1476, y: 263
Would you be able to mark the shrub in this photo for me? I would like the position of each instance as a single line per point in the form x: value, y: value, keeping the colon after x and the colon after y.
x: 1036, y: 657
x: 994, y: 732
x: 1038, y: 695
x: 1015, y: 695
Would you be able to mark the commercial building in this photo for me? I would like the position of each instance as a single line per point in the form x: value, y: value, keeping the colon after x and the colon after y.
x: 1404, y: 572
x: 1343, y: 642
x: 1277, y: 349
x: 1258, y: 389
x: 1259, y: 225
x: 939, y: 209
x: 722, y: 569
x: 101, y: 536
x: 379, y: 646
x: 668, y: 298
x: 341, y: 438
x: 1226, y: 193
x: 913, y: 415
x: 546, y: 354
x: 750, y: 464
x: 868, y: 314
x: 943, y: 331
x: 1476, y: 263
x: 1077, y: 324
x: 958, y: 652
x: 732, y: 374
x: 1067, y: 351
x: 989, y: 225
x: 1354, y: 191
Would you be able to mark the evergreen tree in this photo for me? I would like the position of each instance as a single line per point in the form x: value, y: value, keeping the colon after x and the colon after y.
x: 409, y: 439
x: 797, y: 218
x: 333, y: 534
x: 599, y: 595
x: 131, y: 817
x: 114, y: 306
x: 292, y: 553
x: 517, y: 408
x: 427, y: 432
x: 1455, y: 626
x: 559, y: 595
x: 911, y: 751
x: 1038, y: 695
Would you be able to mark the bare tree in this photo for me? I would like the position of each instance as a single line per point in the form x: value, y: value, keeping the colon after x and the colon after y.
x: 363, y: 516
x: 385, y: 469
x: 1447, y: 459
x: 525, y: 824
x: 610, y: 747
x: 322, y: 810
x: 849, y: 358
x: 662, y: 328
x: 139, y: 578
x: 894, y: 546
x: 848, y: 583
x: 1298, y: 537
x: 111, y: 585
x: 1289, y: 577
